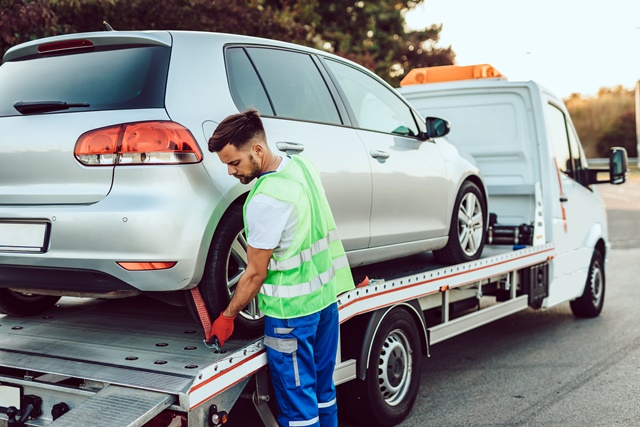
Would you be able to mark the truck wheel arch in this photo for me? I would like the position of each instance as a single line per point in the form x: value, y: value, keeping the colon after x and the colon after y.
x: 367, y: 326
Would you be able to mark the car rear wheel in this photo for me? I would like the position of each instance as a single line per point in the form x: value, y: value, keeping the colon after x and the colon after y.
x: 227, y: 261
x: 15, y: 303
x: 468, y: 227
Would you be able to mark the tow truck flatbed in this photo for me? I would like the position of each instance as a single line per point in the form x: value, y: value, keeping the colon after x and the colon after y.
x: 96, y: 355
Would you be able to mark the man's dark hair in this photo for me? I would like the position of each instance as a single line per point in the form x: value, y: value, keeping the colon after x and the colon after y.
x: 237, y: 130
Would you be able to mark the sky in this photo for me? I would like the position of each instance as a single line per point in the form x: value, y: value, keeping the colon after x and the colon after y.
x: 568, y: 46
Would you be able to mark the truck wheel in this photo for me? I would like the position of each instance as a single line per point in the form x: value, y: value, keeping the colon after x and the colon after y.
x: 226, y: 262
x: 590, y: 303
x: 468, y: 227
x: 15, y: 303
x: 387, y: 394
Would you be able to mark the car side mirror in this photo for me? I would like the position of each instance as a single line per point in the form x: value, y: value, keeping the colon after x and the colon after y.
x: 618, y: 165
x: 437, y: 127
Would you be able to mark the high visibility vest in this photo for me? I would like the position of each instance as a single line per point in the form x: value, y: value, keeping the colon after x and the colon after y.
x: 309, y: 275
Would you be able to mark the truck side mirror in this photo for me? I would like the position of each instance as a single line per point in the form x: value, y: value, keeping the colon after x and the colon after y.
x: 437, y: 127
x: 618, y: 165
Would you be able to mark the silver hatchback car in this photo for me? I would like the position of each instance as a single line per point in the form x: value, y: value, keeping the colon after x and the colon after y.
x: 107, y: 188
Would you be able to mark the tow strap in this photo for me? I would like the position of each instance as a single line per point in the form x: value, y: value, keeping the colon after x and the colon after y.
x: 209, y: 340
x: 203, y: 313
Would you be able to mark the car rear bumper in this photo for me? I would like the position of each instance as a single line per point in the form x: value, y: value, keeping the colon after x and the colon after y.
x: 60, y: 279
x: 153, y: 214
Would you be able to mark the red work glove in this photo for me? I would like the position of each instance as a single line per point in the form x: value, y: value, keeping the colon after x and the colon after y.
x: 222, y: 328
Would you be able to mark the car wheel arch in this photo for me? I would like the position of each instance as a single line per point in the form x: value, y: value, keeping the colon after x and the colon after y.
x: 210, y: 231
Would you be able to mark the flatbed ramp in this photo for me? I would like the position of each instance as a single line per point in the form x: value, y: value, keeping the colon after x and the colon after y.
x: 116, y: 406
x: 122, y: 362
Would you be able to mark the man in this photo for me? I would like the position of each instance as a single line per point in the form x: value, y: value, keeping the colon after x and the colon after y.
x: 296, y: 266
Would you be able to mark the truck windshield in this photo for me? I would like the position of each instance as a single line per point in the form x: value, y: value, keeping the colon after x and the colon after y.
x: 132, y: 77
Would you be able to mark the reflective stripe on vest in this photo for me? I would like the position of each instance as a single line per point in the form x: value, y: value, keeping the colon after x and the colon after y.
x: 306, y: 255
x: 306, y: 288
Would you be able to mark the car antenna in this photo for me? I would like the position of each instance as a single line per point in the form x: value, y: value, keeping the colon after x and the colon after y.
x: 107, y: 27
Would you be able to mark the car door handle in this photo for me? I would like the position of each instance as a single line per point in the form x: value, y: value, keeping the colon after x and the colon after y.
x: 290, y: 147
x: 564, y: 199
x: 378, y: 154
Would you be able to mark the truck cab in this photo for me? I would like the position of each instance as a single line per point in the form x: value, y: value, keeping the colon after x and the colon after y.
x: 523, y: 139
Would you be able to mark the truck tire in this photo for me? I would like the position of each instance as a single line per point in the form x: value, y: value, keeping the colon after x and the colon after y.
x: 19, y: 304
x: 387, y: 394
x: 226, y: 262
x: 468, y: 227
x: 590, y: 303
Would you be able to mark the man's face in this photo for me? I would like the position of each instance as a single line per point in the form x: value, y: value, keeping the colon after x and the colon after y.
x: 240, y: 163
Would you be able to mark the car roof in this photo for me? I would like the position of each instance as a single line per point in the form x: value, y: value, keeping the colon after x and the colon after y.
x: 166, y: 38
x: 161, y: 37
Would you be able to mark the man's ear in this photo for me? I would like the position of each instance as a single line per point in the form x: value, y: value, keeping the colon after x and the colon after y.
x: 258, y: 149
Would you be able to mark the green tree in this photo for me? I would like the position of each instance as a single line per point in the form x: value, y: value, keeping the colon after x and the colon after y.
x: 374, y: 34
x: 248, y: 17
x: 23, y: 20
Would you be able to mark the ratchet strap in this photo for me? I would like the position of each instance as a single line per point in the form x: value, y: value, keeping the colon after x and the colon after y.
x: 203, y: 313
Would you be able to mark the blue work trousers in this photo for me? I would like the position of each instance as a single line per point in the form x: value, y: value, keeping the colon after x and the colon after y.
x: 302, y: 357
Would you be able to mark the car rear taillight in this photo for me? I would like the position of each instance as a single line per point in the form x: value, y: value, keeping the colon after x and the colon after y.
x: 142, y: 143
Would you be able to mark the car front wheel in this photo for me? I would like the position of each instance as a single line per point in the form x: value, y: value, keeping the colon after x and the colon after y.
x: 468, y: 227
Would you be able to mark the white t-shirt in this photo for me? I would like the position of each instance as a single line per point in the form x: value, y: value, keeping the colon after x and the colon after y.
x: 271, y: 223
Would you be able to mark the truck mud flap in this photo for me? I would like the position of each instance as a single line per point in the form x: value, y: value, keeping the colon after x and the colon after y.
x: 535, y: 283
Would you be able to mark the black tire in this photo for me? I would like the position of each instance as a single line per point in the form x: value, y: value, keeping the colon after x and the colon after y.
x: 386, y: 396
x: 590, y: 303
x: 225, y: 264
x: 467, y: 233
x: 22, y: 304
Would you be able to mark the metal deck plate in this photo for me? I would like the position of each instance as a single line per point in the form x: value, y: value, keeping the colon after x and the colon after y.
x: 137, y: 342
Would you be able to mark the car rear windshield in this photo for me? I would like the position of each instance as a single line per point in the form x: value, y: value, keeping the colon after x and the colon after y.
x: 133, y: 77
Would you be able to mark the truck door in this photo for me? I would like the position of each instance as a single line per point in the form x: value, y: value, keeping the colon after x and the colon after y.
x: 578, y: 212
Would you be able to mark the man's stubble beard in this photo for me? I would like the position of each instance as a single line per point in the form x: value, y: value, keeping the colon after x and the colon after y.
x: 253, y: 173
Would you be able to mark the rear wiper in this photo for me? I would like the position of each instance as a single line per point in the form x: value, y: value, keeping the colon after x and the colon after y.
x: 35, y: 107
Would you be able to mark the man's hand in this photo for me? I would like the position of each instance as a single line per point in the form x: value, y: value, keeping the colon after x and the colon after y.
x: 222, y: 328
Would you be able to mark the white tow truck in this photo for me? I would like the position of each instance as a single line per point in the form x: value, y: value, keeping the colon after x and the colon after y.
x: 138, y: 362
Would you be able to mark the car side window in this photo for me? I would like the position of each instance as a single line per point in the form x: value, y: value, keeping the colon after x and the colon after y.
x: 295, y: 85
x: 565, y: 144
x: 246, y: 89
x: 374, y: 105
